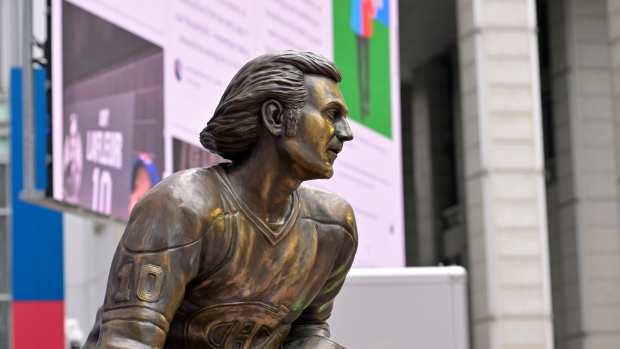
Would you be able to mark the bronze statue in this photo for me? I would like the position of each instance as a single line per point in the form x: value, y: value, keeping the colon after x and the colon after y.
x: 241, y: 255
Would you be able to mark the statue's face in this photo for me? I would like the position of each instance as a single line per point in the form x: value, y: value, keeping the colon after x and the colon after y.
x: 322, y: 129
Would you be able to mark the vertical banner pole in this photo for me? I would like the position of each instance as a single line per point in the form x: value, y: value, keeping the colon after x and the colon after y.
x: 29, y: 191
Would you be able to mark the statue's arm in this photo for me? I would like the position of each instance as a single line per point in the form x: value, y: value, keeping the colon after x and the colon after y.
x: 157, y: 256
x: 311, y: 330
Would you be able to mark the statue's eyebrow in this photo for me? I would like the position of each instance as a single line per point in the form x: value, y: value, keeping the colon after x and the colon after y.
x: 336, y: 104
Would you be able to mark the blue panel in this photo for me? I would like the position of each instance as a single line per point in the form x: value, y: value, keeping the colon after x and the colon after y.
x: 383, y: 13
x: 37, y: 256
x: 356, y: 17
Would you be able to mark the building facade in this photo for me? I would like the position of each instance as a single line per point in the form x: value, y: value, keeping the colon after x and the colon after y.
x: 511, y: 156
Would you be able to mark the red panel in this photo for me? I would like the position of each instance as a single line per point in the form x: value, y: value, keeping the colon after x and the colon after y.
x: 38, y: 325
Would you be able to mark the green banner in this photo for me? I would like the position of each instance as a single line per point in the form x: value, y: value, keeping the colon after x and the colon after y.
x: 364, y: 60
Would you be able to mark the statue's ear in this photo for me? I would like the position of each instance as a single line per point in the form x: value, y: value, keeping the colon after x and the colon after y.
x: 272, y: 114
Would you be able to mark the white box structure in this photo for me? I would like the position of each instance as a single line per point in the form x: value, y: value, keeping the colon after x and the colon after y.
x: 402, y: 308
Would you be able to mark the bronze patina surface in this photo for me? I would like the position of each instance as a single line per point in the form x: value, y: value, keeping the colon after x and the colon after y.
x: 242, y: 255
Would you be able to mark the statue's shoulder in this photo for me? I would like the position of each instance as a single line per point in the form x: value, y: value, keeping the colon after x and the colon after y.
x: 327, y: 207
x: 175, y: 212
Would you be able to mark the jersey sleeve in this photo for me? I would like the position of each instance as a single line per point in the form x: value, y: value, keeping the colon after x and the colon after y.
x: 158, y: 255
x: 311, y: 329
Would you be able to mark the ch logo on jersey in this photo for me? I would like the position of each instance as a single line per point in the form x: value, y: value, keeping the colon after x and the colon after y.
x: 239, y: 335
x: 217, y: 327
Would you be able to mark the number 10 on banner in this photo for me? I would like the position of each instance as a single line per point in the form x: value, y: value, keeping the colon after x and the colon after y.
x: 102, y: 191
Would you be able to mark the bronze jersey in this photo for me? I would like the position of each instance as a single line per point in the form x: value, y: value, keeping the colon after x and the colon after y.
x: 196, y: 269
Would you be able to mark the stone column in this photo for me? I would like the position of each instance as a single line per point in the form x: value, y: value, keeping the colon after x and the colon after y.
x: 423, y: 178
x: 431, y: 117
x: 613, y: 20
x: 586, y: 192
x: 504, y: 179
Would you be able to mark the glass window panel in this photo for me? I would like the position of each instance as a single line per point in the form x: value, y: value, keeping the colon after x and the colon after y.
x: 3, y: 185
x: 4, y: 324
x: 4, y: 257
x: 4, y: 146
x: 4, y: 114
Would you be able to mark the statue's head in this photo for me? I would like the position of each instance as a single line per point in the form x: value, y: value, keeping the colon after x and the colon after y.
x: 291, y: 97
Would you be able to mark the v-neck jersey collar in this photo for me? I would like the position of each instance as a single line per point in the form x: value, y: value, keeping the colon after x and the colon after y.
x: 274, y: 236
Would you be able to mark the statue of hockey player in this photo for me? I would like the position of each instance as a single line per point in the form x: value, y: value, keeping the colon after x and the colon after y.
x: 242, y: 255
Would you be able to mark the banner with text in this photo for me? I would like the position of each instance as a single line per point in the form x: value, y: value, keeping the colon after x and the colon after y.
x: 134, y: 82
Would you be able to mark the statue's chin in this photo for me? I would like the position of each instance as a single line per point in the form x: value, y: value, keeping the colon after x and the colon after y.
x: 322, y: 173
x: 310, y: 170
x: 329, y: 173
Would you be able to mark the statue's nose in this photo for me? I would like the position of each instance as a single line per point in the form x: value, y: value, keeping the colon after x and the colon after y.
x: 343, y: 130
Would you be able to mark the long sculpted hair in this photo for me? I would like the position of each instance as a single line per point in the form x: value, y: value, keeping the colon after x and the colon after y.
x: 234, y: 128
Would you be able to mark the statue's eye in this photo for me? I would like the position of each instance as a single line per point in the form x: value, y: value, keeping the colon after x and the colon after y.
x: 333, y: 113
